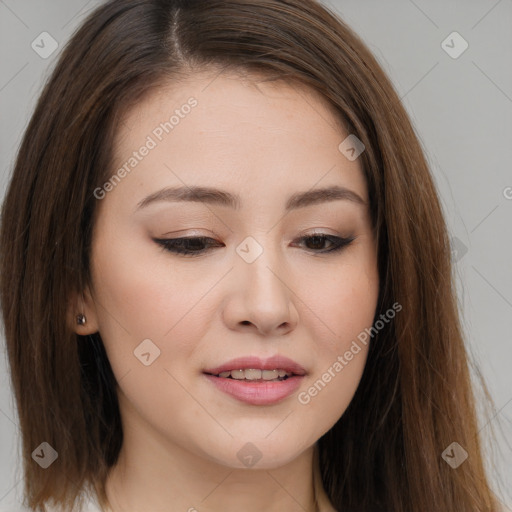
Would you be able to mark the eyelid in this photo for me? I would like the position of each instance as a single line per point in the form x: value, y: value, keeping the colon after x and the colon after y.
x: 188, y: 233
x: 317, y: 231
x: 198, y: 234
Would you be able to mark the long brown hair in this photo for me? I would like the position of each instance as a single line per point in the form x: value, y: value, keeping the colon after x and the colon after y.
x: 415, y: 396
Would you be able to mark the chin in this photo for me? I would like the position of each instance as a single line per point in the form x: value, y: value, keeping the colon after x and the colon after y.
x: 257, y: 453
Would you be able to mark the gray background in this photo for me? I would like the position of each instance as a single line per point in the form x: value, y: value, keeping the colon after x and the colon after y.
x: 462, y: 111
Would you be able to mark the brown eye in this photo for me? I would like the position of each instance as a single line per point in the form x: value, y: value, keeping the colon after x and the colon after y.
x: 316, y: 242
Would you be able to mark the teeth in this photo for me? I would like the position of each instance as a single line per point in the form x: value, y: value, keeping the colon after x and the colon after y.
x: 254, y: 374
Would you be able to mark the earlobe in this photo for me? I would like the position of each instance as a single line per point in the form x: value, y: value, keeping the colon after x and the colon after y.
x: 82, y: 317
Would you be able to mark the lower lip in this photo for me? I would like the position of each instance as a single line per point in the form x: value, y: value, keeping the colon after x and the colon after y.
x: 257, y: 393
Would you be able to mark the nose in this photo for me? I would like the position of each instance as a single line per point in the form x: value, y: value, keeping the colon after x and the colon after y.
x: 261, y: 297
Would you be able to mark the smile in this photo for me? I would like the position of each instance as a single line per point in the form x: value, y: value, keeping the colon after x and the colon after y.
x: 257, y: 381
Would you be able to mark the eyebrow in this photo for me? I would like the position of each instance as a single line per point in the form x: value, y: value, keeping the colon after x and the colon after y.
x: 212, y: 195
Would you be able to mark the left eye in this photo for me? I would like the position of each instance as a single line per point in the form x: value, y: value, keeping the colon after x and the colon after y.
x: 195, y: 246
x: 318, y: 239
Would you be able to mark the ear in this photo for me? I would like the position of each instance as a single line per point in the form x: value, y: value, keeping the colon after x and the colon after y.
x: 82, y: 304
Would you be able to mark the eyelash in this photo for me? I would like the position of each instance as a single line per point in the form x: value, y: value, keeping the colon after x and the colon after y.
x: 175, y: 245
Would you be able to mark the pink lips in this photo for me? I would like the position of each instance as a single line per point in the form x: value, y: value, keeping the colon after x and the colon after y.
x: 258, y: 392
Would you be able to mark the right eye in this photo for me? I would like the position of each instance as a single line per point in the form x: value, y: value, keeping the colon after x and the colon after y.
x: 190, y: 246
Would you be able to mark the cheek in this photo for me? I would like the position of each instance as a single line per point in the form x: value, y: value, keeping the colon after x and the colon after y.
x: 346, y: 304
x: 344, y: 299
x: 140, y: 297
x: 341, y: 357
x: 143, y: 299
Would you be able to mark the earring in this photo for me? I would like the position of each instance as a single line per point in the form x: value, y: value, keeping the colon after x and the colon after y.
x: 80, y: 319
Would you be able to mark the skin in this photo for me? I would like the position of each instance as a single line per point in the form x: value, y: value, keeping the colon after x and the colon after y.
x: 263, y: 141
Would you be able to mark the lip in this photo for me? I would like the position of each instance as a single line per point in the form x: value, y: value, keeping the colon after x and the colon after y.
x: 258, y: 392
x: 272, y: 363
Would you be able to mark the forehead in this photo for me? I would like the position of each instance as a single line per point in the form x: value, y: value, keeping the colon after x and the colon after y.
x: 240, y: 131
x: 235, y: 103
x: 217, y: 87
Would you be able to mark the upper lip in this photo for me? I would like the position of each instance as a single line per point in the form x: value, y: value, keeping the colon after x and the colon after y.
x: 277, y: 362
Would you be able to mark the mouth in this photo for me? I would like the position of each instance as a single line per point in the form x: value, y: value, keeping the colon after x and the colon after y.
x: 256, y: 381
x: 255, y: 375
x: 253, y: 368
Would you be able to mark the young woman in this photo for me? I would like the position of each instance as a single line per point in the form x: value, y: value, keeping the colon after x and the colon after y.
x: 226, y: 279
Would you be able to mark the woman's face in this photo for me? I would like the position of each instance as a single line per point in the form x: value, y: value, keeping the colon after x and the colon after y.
x: 259, y: 283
